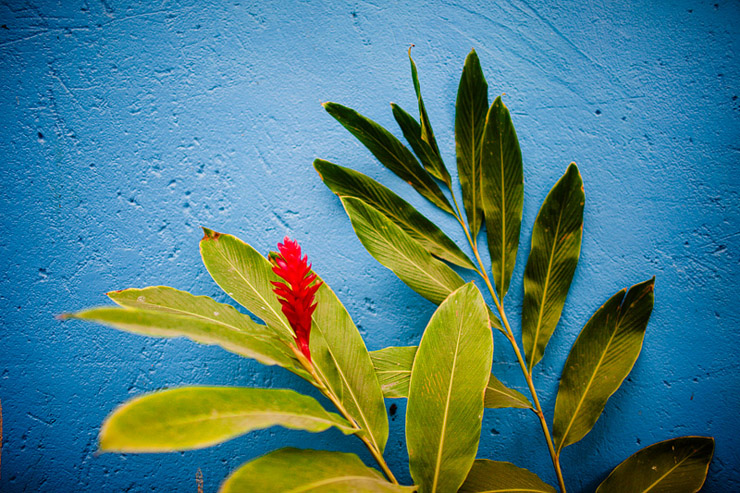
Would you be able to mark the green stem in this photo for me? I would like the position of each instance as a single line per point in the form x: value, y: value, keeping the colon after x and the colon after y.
x: 522, y: 364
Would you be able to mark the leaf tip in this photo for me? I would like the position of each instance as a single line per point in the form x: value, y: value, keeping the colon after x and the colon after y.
x: 209, y: 234
x: 64, y: 316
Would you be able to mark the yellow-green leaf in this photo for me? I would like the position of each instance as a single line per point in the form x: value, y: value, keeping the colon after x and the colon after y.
x: 470, y: 119
x: 196, y: 417
x: 556, y: 245
x: 488, y: 476
x: 601, y: 358
x: 291, y: 470
x: 398, y: 251
x: 412, y: 131
x: 346, y: 182
x: 390, y: 152
x: 448, y: 382
x: 499, y: 395
x: 503, y: 192
x: 678, y: 465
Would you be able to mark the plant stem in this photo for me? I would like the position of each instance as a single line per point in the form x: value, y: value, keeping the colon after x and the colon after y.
x: 377, y: 455
x: 522, y: 364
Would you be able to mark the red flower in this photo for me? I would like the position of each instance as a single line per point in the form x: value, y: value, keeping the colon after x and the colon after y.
x: 296, y: 295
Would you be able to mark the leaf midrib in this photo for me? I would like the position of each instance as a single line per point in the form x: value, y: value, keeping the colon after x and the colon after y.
x: 226, y: 416
x: 655, y: 483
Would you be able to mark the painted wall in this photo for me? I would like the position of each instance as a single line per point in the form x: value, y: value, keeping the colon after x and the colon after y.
x: 126, y: 126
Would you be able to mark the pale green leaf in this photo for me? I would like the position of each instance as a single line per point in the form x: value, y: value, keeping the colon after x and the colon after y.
x: 346, y: 182
x: 470, y: 118
x: 488, y: 476
x: 393, y: 366
x: 291, y: 470
x: 390, y: 152
x: 196, y: 417
x: 601, y: 358
x: 503, y: 192
x: 245, y: 275
x: 678, y: 465
x: 398, y: 251
x: 160, y: 311
x: 556, y: 245
x: 446, y: 390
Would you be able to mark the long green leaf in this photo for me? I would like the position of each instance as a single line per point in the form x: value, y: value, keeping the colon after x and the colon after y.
x: 196, y: 417
x: 470, y: 118
x: 488, y: 476
x: 412, y: 131
x: 448, y: 381
x: 390, y: 152
x: 337, y: 348
x: 678, y: 465
x: 346, y: 182
x: 291, y: 470
x: 245, y: 275
x: 160, y: 311
x: 503, y: 192
x: 393, y: 366
x: 601, y: 358
x: 556, y: 245
x: 427, y: 134
x: 395, y: 249
x: 340, y: 356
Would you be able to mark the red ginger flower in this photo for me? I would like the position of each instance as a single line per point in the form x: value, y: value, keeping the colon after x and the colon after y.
x: 296, y: 294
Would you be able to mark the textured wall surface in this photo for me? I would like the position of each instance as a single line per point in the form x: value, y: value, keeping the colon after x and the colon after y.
x: 126, y: 126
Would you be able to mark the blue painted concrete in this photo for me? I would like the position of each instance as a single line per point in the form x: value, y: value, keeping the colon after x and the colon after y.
x: 126, y: 126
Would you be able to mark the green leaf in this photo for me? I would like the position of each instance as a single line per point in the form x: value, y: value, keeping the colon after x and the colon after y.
x: 337, y: 349
x: 245, y: 275
x: 503, y: 192
x: 395, y: 249
x: 412, y: 131
x: 601, y: 358
x: 470, y: 119
x: 488, y: 476
x: 196, y: 417
x: 426, y: 127
x: 556, y: 245
x: 393, y: 367
x: 291, y: 470
x: 160, y: 311
x: 346, y: 182
x: 499, y: 395
x: 678, y: 465
x: 390, y: 152
x: 340, y: 356
x: 448, y: 381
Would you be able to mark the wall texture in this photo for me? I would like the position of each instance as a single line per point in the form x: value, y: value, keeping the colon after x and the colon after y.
x: 126, y: 126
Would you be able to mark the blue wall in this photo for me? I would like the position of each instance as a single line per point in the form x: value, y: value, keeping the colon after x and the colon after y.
x: 125, y: 127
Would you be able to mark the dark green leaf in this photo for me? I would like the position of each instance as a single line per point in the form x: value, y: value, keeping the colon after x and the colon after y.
x: 499, y: 395
x: 412, y: 131
x: 601, y: 358
x: 196, y: 417
x: 390, y: 152
x: 160, y: 311
x: 678, y: 465
x: 488, y: 476
x: 395, y: 249
x: 448, y: 382
x: 556, y: 245
x: 291, y: 470
x: 503, y: 192
x: 393, y: 366
x: 346, y: 182
x: 470, y: 119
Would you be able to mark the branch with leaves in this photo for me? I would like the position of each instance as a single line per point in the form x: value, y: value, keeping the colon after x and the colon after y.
x: 447, y: 378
